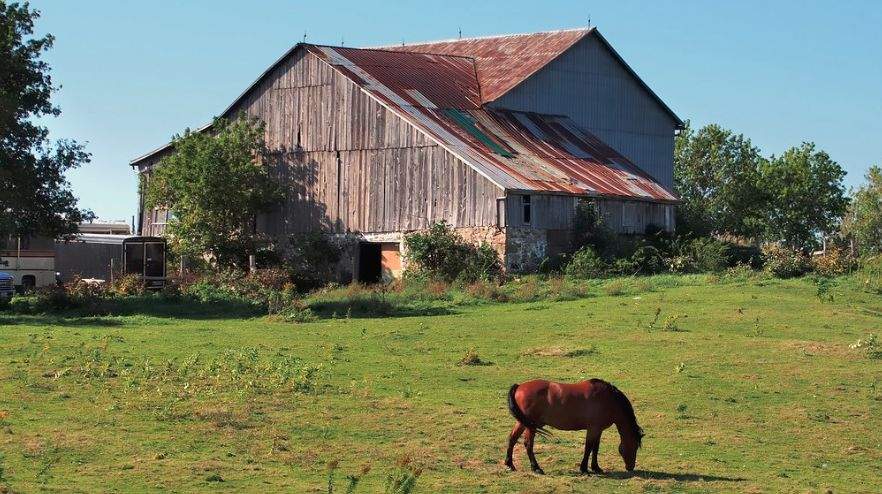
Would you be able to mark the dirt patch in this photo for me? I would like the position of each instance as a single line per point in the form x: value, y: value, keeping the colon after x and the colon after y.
x: 816, y: 348
x: 557, y: 351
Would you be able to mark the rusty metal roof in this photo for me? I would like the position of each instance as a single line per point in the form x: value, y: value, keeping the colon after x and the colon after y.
x: 503, y: 62
x: 515, y: 150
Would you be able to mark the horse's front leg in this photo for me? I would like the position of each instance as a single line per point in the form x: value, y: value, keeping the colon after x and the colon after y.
x: 596, y: 445
x: 512, y: 441
x: 589, y: 447
x: 528, y: 443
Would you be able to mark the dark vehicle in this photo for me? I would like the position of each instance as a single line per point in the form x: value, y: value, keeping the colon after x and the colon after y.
x: 145, y: 257
x: 6, y: 286
x: 101, y: 257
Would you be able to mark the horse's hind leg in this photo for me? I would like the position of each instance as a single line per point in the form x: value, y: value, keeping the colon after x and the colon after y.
x: 528, y: 443
x: 512, y: 441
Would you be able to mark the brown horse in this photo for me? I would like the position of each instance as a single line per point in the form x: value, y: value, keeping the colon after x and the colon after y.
x: 593, y: 405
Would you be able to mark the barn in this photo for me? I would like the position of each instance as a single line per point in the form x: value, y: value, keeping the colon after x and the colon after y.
x: 500, y: 137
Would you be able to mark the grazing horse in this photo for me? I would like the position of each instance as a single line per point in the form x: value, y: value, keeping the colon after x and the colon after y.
x: 593, y: 405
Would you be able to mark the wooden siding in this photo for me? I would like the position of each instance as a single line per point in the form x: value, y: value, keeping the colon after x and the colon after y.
x: 589, y: 85
x: 635, y: 216
x: 380, y: 190
x: 548, y: 212
x: 351, y: 165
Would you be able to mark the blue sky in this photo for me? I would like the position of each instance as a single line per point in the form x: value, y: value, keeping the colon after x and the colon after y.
x: 134, y: 72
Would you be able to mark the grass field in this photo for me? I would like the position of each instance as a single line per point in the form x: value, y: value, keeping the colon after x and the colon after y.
x: 747, y: 386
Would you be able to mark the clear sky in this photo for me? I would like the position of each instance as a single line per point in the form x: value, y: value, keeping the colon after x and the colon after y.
x: 136, y: 72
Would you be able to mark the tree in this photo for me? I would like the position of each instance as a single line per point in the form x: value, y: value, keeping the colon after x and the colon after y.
x: 716, y: 175
x: 214, y: 186
x: 863, y: 222
x: 35, y: 196
x: 806, y: 195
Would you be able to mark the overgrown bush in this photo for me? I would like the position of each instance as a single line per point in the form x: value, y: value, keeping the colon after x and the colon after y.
x: 586, y: 264
x: 443, y: 255
x: 645, y: 260
x: 129, y: 284
x: 834, y: 262
x: 870, y: 274
x: 260, y: 287
x: 311, y: 259
x: 783, y: 262
x: 75, y: 295
x: 699, y: 255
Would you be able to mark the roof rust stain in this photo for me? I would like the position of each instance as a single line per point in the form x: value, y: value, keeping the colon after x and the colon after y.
x: 503, y: 62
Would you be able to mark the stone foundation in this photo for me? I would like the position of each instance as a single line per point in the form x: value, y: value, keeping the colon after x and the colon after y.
x: 520, y: 249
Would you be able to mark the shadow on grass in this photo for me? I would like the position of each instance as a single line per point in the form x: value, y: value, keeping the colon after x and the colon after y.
x: 373, y: 307
x: 680, y: 477
x: 101, y: 313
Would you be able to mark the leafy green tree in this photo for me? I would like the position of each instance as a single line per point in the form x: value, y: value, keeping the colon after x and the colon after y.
x: 35, y: 196
x: 214, y: 186
x: 806, y: 195
x: 863, y: 222
x: 716, y: 174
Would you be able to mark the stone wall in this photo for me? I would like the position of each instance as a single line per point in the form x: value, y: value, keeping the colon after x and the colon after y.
x: 521, y: 249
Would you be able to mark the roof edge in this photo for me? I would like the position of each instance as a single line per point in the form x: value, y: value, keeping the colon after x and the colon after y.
x: 656, y: 97
x: 472, y: 38
x: 134, y: 162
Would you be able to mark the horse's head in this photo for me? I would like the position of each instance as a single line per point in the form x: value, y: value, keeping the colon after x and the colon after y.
x: 628, y: 447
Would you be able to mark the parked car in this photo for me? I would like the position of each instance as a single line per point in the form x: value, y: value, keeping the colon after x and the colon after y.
x: 7, y: 286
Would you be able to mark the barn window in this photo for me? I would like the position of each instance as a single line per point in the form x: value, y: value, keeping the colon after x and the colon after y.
x: 629, y: 217
x: 527, y: 208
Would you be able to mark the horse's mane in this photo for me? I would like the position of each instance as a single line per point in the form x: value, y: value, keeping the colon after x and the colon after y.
x: 625, y: 403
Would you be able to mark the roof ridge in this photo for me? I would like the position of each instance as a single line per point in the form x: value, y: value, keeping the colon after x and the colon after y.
x: 388, y: 50
x: 490, y: 36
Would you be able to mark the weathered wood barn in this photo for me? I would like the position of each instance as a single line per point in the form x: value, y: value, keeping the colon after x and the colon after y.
x: 498, y: 136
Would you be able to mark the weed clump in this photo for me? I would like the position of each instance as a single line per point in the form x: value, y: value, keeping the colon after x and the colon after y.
x: 869, y: 346
x: 472, y: 358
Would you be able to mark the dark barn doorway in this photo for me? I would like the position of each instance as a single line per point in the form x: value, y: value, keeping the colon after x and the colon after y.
x: 370, y: 269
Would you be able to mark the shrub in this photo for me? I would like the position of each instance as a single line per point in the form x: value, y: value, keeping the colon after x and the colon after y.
x: 271, y: 288
x: 586, y: 264
x: 645, y: 260
x: 129, y: 284
x: 311, y: 259
x: 870, y: 274
x: 783, y: 262
x: 554, y: 264
x: 744, y: 255
x: 75, y: 295
x: 833, y: 262
x: 442, y: 254
x: 708, y: 255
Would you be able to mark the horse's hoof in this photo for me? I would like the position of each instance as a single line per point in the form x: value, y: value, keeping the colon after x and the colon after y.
x: 597, y: 470
x: 510, y: 466
x: 538, y: 471
x: 584, y: 471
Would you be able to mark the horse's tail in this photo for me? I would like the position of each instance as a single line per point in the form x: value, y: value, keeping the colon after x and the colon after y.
x: 516, y: 412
